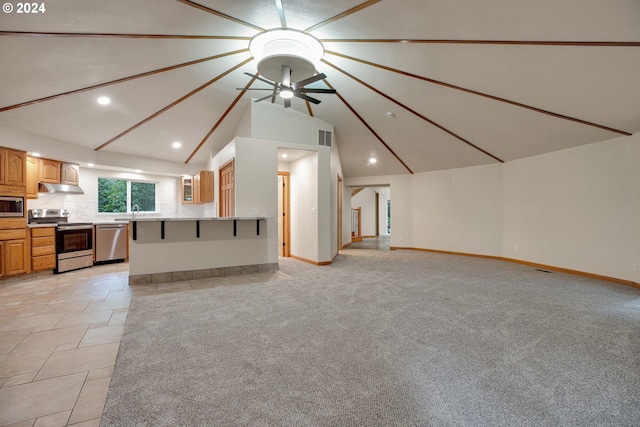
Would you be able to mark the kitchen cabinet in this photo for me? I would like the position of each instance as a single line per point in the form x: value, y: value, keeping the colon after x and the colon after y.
x: 13, y: 167
x: 70, y: 174
x: 186, y: 189
x: 14, y: 252
x: 49, y: 171
x: 197, y: 188
x: 32, y: 177
x: 43, y: 248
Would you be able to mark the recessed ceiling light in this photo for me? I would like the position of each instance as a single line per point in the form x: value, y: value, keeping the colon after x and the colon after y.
x: 35, y: 154
x: 103, y: 100
x: 90, y: 165
x: 373, y: 160
x: 176, y: 144
x: 391, y: 114
x: 137, y: 171
x: 284, y: 156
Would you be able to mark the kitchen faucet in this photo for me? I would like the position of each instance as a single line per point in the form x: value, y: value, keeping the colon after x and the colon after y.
x: 135, y: 208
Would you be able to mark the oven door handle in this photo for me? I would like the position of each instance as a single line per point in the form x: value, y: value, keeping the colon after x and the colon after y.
x: 75, y: 227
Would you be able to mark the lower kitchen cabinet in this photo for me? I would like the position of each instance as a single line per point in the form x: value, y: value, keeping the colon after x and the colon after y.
x: 15, y: 257
x: 43, y: 248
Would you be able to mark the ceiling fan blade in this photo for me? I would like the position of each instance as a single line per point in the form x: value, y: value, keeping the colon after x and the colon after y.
x: 262, y: 99
x: 261, y: 79
x: 312, y: 90
x: 309, y: 80
x: 286, y: 76
x: 273, y: 96
x: 287, y: 102
x: 306, y: 98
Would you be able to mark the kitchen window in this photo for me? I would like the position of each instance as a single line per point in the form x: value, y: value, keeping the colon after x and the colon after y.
x: 120, y: 195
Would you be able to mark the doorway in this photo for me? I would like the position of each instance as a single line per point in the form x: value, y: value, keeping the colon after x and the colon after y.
x: 284, y: 209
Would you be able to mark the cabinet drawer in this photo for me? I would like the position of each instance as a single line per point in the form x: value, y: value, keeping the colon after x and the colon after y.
x: 13, y: 234
x: 45, y: 262
x: 43, y: 232
x: 43, y: 250
x: 43, y: 241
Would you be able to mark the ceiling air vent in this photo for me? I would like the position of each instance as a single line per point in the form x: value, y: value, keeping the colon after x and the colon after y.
x: 324, y: 138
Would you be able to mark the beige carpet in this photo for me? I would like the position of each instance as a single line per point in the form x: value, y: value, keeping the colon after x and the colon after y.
x: 384, y: 338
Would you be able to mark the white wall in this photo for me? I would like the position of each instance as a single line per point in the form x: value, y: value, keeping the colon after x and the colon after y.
x: 577, y: 209
x: 273, y: 127
x: 272, y: 122
x: 304, y: 224
x: 458, y: 210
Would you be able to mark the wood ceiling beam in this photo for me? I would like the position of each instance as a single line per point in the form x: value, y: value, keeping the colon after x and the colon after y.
x: 174, y: 103
x: 309, y: 108
x: 488, y: 42
x: 129, y: 36
x: 122, y: 80
x: 368, y: 126
x: 220, y: 120
x: 395, y: 101
x: 342, y: 15
x: 220, y: 14
x: 485, y: 95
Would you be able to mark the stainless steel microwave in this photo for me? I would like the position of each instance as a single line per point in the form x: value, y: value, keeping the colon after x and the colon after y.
x: 11, y: 207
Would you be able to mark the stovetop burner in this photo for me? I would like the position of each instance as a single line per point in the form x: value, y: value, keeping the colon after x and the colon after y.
x: 48, y: 216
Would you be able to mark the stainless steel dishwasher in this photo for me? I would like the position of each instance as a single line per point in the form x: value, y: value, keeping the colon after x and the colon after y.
x: 111, y: 242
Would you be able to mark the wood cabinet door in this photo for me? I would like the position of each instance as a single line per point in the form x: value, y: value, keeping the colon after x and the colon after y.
x: 186, y: 189
x: 70, y: 174
x: 15, y: 257
x: 32, y: 177
x: 206, y: 187
x: 49, y: 171
x: 196, y: 189
x: 15, y: 168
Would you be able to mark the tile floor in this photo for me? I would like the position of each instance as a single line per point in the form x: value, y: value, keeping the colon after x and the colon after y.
x: 59, y: 338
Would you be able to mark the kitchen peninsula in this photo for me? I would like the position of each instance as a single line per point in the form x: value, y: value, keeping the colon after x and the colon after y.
x: 178, y: 249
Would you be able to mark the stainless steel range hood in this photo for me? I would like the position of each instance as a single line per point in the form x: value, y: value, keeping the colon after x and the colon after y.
x: 45, y: 187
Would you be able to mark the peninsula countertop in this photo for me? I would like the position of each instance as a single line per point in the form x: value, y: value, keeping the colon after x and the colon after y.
x: 228, y: 218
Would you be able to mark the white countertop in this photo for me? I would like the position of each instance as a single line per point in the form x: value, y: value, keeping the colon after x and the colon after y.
x: 156, y: 219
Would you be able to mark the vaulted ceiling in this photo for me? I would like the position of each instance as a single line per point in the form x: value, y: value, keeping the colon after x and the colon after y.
x: 467, y: 82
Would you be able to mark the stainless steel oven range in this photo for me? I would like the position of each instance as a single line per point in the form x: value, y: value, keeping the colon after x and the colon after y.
x: 74, y: 240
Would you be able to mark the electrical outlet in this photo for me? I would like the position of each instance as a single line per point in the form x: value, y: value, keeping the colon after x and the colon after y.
x: 141, y: 231
x: 634, y: 266
x: 255, y: 211
x: 454, y: 243
x: 516, y: 249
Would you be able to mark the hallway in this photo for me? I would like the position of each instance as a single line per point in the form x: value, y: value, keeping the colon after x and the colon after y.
x: 381, y: 243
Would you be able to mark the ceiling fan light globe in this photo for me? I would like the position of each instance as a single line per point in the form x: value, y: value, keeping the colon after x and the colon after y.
x: 286, y: 94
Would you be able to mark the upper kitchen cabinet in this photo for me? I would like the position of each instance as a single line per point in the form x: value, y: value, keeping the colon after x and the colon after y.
x: 32, y: 177
x: 49, y: 171
x: 70, y: 174
x: 13, y: 165
x: 203, y: 186
x: 197, y: 188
